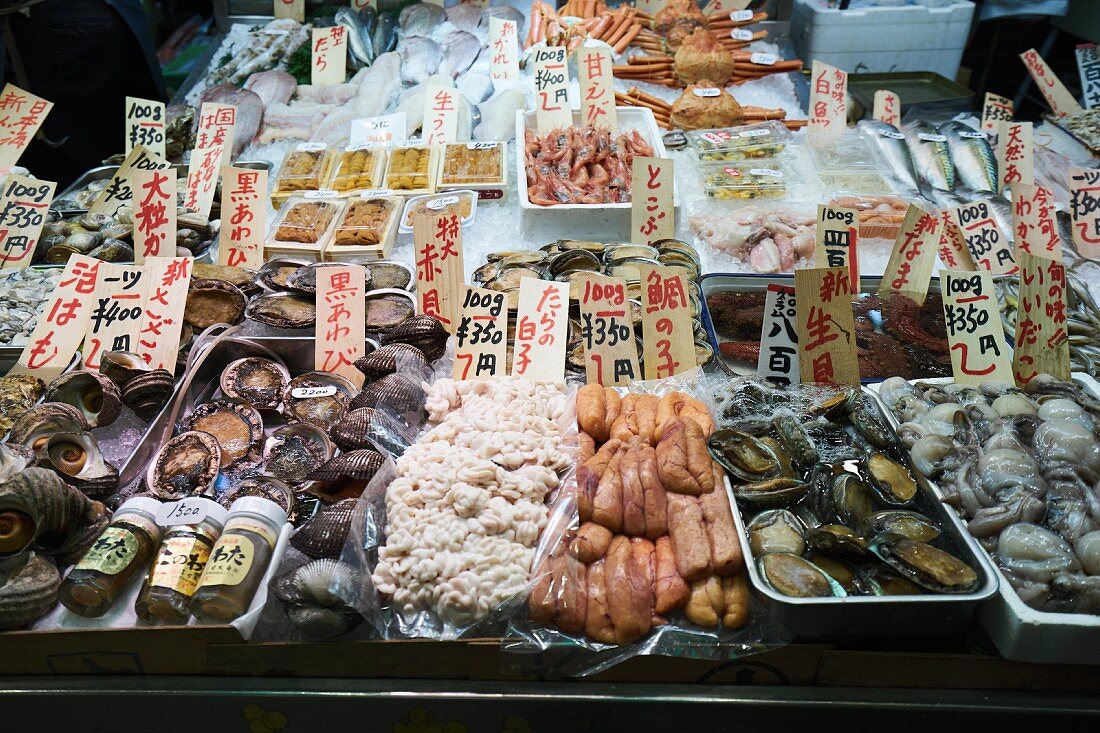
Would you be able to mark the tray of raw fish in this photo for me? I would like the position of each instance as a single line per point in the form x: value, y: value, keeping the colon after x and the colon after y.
x: 1020, y: 470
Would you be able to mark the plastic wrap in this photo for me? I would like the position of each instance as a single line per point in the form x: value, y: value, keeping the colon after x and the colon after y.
x: 549, y: 635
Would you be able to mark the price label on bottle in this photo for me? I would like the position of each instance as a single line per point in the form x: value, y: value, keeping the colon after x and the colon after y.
x: 607, y: 331
x: 481, y: 344
x: 191, y: 510
x: 145, y: 122
x: 974, y: 332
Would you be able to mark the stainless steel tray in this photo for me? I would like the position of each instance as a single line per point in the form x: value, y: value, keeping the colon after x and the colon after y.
x: 867, y: 616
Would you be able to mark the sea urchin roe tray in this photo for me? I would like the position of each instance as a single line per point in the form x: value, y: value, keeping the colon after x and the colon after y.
x: 358, y: 168
x: 745, y: 180
x: 747, y: 142
x: 477, y: 165
x: 303, y: 169
x: 366, y: 227
x: 463, y: 203
x: 303, y: 225
x: 411, y: 169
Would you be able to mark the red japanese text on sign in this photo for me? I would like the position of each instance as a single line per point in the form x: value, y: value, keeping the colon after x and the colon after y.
x: 1015, y: 155
x: 1057, y: 96
x: 158, y: 339
x: 120, y: 189
x: 503, y: 50
x: 652, y: 206
x: 1042, y: 339
x: 828, y: 108
x: 21, y: 114
x: 24, y: 205
x: 1034, y: 222
x: 597, y: 87
x: 668, y: 343
x: 541, y: 328
x: 910, y: 266
x: 952, y: 248
x: 440, y: 115
x: 341, y: 320
x: 437, y: 242
x: 826, y: 326
x: 213, y: 146
x: 329, y: 56
x: 244, y: 218
x: 887, y: 107
x: 154, y: 214
x: 838, y: 240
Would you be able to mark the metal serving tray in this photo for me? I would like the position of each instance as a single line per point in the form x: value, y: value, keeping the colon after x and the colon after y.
x: 1018, y: 631
x: 868, y: 616
x: 918, y: 90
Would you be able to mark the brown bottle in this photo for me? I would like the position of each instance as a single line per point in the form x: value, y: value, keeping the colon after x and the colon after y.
x: 174, y: 575
x: 239, y: 560
x: 123, y: 548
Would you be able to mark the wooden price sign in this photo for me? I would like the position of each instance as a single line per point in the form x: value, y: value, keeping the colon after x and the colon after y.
x: 996, y: 109
x: 668, y: 340
x: 481, y: 346
x: 328, y: 64
x: 1042, y: 340
x: 826, y: 326
x: 1088, y: 68
x: 779, y: 337
x: 597, y: 87
x: 120, y: 190
x: 1015, y: 154
x: 910, y: 266
x: 988, y: 246
x: 887, y: 107
x: 158, y: 340
x: 21, y: 114
x: 244, y: 218
x: 24, y: 204
x: 57, y: 335
x: 977, y: 340
x: 341, y: 320
x: 145, y: 123
x: 437, y: 239
x: 652, y: 208
x: 213, y: 149
x: 293, y: 9
x: 1057, y: 96
x: 504, y: 50
x: 952, y: 249
x: 154, y: 214
x: 1033, y: 219
x: 837, y: 240
x: 118, y: 307
x: 828, y: 104
x: 551, y: 89
x: 1084, y: 193
x: 541, y: 331
x: 440, y: 114
x: 610, y: 351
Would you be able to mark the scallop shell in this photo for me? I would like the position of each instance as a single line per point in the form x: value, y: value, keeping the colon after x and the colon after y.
x: 37, y: 507
x: 324, y: 535
x: 283, y: 310
x: 237, y: 426
x: 293, y: 451
x: 147, y: 394
x: 392, y: 358
x: 213, y: 301
x: 360, y: 465
x: 77, y: 458
x: 321, y: 411
x: 259, y: 382
x: 395, y: 394
x: 28, y: 591
x: 424, y: 332
x: 96, y: 396
x: 187, y: 465
x: 312, y: 606
x: 367, y: 428
x: 34, y: 427
x: 122, y: 366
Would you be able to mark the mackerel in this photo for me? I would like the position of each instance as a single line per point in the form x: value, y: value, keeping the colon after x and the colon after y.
x: 975, y: 164
x: 930, y: 156
x: 891, y: 143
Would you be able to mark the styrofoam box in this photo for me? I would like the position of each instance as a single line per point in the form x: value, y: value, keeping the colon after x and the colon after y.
x: 630, y: 118
x: 903, y: 38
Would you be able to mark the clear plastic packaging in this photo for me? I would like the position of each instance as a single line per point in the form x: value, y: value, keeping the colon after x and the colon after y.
x: 358, y: 168
x: 304, y: 168
x: 746, y: 142
x: 305, y: 221
x: 745, y: 180
x: 366, y: 222
x: 411, y: 169
x: 476, y: 163
x: 871, y: 181
x: 463, y: 203
x: 880, y: 216
x: 831, y: 153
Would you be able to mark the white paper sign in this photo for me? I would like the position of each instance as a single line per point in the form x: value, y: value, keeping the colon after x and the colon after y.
x: 383, y: 130
x: 779, y: 337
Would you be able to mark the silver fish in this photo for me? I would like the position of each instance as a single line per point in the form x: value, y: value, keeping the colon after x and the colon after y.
x: 384, y: 36
x: 891, y: 144
x: 972, y: 155
x: 465, y: 16
x: 930, y: 156
x: 420, y: 19
x: 460, y: 50
x: 420, y: 58
x: 1002, y: 214
x: 360, y: 47
x: 504, y: 12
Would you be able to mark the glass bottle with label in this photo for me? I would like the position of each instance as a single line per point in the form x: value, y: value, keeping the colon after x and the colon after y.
x: 123, y: 548
x: 239, y: 560
x: 178, y: 565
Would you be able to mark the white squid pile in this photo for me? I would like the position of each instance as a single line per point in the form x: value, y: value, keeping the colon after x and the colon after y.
x: 469, y: 502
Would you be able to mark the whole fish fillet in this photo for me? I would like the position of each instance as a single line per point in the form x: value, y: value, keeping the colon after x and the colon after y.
x: 250, y: 112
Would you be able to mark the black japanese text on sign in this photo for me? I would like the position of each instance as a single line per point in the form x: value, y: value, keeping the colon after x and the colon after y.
x: 668, y: 339
x: 481, y: 339
x: 118, y: 307
x: 23, y: 208
x: 910, y: 266
x: 541, y: 330
x: 1084, y: 192
x: 652, y: 206
x: 977, y: 341
x: 988, y: 246
x: 1042, y: 339
x: 838, y: 240
x: 1088, y: 67
x: 120, y: 189
x: 826, y: 326
x: 779, y: 337
x: 551, y: 89
x: 213, y: 149
x: 607, y: 331
x: 145, y: 125
x: 995, y: 109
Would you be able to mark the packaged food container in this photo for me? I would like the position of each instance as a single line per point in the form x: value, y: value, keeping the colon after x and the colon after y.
x: 366, y: 227
x: 358, y: 168
x: 747, y: 142
x: 464, y: 203
x: 871, y: 181
x: 304, y: 224
x: 478, y: 166
x: 880, y: 215
x: 831, y: 153
x: 745, y: 180
x: 304, y: 168
x: 411, y: 169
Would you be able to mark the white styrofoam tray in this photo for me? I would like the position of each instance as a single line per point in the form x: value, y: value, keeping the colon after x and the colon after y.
x: 630, y: 118
x: 1018, y: 631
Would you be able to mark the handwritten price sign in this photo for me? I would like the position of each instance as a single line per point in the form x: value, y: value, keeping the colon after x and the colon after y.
x: 1057, y: 96
x: 1042, y: 341
x: 341, y: 320
x: 21, y: 114
x: 481, y: 346
x: 551, y: 89
x: 779, y: 337
x: 117, y: 309
x: 607, y: 330
x: 989, y: 248
x: 652, y: 209
x: 828, y: 99
x: 145, y: 121
x: 977, y: 340
x: 597, y: 87
x: 504, y: 50
x: 439, y: 269
x: 838, y: 240
x: 23, y: 208
x: 330, y: 56
x: 995, y: 109
x: 826, y: 326
x: 541, y: 328
x: 668, y: 342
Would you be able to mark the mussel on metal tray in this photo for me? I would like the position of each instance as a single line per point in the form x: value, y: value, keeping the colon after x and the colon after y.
x: 797, y: 577
x: 927, y: 566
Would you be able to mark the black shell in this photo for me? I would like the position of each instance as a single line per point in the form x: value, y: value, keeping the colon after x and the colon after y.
x: 425, y: 332
x: 324, y: 535
x: 392, y: 358
x: 357, y: 464
x: 395, y: 394
x: 146, y: 394
x: 367, y: 428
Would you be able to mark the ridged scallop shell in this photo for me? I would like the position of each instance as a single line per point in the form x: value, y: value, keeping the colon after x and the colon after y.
x: 37, y: 424
x: 323, y: 623
x: 122, y: 366
x: 293, y: 451
x: 77, y: 458
x: 360, y: 465
x: 38, y: 508
x: 311, y: 605
x: 96, y: 396
x: 366, y: 427
x: 320, y: 411
x: 395, y: 394
x: 213, y: 301
x: 237, y: 426
x: 404, y: 358
x: 259, y: 382
x: 424, y: 332
x: 147, y: 394
x: 187, y: 465
x: 28, y: 591
x: 324, y: 535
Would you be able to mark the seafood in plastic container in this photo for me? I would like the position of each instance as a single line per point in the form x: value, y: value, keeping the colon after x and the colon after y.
x: 411, y: 169
x: 304, y: 169
x: 746, y: 142
x: 880, y: 215
x: 745, y: 180
x: 366, y: 226
x: 303, y: 224
x: 358, y: 168
x: 463, y: 203
x: 475, y: 165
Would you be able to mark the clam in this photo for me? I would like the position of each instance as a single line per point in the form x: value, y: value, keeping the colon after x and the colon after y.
x: 907, y: 524
x: 302, y: 401
x: 576, y: 260
x: 927, y: 566
x: 237, y: 426
x: 37, y: 507
x: 796, y: 442
x: 28, y: 590
x: 391, y: 274
x: 274, y: 274
x: 113, y: 250
x: 486, y: 272
x: 619, y: 252
x: 388, y: 309
x: 796, y: 577
x: 704, y: 353
x: 357, y: 465
x: 393, y: 358
x: 34, y: 427
x: 776, y: 530
x: 17, y: 393
x: 187, y: 465
x: 324, y: 535
x: 265, y: 487
x: 395, y: 394
x: 851, y: 499
x: 312, y: 606
x: 677, y: 246
x: 238, y: 277
x: 366, y: 427
x: 283, y: 310
x: 259, y: 382
x: 744, y: 456
x: 96, y: 396
x: 122, y: 366
x: 94, y: 221
x: 771, y: 492
x: 892, y: 482
x: 76, y: 457
x: 871, y: 426
x: 584, y: 244
x: 214, y: 301
x: 837, y: 540
x: 508, y: 276
x: 147, y: 393
x: 293, y: 451
x: 422, y: 331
